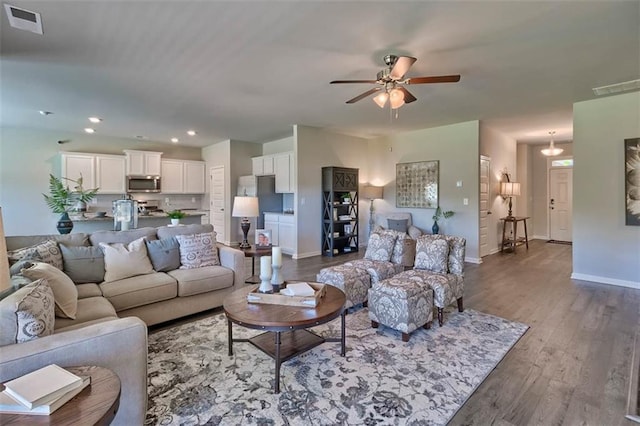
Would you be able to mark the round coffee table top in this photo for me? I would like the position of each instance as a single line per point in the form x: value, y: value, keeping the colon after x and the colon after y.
x: 97, y: 404
x: 282, y: 317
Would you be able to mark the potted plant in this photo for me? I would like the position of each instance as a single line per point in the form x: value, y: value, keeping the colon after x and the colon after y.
x: 346, y: 198
x: 62, y: 200
x: 439, y: 214
x: 175, y: 216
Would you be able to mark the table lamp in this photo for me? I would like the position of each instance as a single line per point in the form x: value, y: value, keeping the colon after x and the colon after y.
x: 509, y: 189
x: 371, y: 193
x: 245, y: 207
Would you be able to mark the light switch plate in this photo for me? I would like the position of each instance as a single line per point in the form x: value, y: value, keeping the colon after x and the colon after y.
x: 459, y: 184
x: 465, y: 201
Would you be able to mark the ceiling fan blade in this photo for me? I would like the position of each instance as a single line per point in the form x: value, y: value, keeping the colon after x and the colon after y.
x: 434, y: 79
x: 364, y: 95
x: 402, y: 65
x: 408, y: 97
x: 352, y: 81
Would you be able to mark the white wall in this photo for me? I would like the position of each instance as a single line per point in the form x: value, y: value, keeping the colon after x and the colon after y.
x: 523, y: 174
x: 501, y: 149
x: 604, y: 249
x: 316, y: 148
x: 28, y: 156
x: 280, y: 145
x: 456, y: 147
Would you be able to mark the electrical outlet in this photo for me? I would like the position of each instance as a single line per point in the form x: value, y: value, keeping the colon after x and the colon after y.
x: 193, y: 199
x: 94, y: 201
x: 166, y: 200
x: 459, y: 184
x: 465, y: 201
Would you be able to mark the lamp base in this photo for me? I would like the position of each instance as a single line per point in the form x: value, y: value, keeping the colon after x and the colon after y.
x: 245, y: 225
x: 509, y: 215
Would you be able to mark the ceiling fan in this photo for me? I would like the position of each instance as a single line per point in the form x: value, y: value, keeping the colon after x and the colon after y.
x: 392, y: 80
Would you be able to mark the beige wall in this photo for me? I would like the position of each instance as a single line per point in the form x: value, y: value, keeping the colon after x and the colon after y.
x: 604, y: 249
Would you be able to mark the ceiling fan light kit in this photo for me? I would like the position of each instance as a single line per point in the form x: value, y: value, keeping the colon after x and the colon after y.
x: 552, y: 151
x: 392, y: 80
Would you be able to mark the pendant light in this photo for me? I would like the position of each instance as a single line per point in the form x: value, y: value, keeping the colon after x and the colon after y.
x: 552, y: 151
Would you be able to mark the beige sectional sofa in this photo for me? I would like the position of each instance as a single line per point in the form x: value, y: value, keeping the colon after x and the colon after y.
x: 101, y: 334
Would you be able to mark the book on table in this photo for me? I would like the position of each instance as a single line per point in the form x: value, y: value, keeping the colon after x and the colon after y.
x: 8, y: 405
x: 42, y: 386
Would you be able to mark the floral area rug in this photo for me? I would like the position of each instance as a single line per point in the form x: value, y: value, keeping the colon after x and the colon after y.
x: 380, y: 381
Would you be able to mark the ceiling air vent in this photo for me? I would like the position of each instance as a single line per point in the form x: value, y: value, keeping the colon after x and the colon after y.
x: 617, y: 88
x: 23, y: 19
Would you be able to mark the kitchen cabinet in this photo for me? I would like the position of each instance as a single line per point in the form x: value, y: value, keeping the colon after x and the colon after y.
x: 283, y: 232
x: 106, y: 172
x: 143, y: 163
x: 283, y: 164
x: 263, y: 166
x: 182, y: 177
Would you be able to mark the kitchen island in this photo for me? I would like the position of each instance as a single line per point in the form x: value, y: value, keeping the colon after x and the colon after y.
x: 90, y: 224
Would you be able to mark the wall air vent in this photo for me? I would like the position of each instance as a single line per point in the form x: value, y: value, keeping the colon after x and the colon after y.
x: 625, y: 86
x: 23, y: 19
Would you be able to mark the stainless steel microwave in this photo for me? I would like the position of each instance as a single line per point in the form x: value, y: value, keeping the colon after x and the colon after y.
x: 143, y: 183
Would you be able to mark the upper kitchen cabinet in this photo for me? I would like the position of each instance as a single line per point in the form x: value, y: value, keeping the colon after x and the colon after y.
x: 263, y: 166
x: 182, y: 177
x: 106, y: 172
x: 143, y: 163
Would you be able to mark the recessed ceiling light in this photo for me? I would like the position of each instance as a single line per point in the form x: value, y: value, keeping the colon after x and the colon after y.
x: 95, y: 119
x: 191, y: 132
x: 175, y: 140
x: 89, y: 130
x: 45, y: 113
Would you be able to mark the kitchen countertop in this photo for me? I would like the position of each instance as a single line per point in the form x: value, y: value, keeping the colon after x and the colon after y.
x: 91, y: 218
x: 280, y: 213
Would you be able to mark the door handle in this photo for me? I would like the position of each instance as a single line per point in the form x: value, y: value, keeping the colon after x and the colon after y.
x: 489, y: 212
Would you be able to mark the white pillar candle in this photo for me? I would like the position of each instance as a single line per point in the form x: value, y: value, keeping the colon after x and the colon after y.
x: 276, y: 252
x: 265, y: 266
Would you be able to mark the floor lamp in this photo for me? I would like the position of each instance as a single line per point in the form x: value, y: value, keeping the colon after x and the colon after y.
x: 4, y: 259
x: 245, y: 207
x: 371, y: 193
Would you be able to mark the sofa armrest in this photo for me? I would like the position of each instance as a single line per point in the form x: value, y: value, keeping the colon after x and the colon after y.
x: 233, y: 259
x: 119, y: 345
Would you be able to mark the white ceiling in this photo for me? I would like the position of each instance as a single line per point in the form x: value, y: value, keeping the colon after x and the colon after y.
x: 250, y: 70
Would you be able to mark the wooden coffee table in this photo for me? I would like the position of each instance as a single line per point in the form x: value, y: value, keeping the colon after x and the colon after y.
x: 286, y: 335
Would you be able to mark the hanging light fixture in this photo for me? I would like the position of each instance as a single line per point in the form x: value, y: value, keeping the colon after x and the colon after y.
x: 552, y: 150
x: 396, y: 98
x: 381, y: 99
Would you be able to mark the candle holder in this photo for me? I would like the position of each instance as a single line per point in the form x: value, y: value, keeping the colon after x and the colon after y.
x: 265, y: 283
x: 276, y: 279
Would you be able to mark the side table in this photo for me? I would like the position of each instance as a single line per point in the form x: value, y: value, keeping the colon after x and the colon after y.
x: 513, y: 242
x: 254, y: 252
x: 97, y: 404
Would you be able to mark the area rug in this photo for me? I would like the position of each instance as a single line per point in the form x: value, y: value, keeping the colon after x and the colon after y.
x: 380, y: 381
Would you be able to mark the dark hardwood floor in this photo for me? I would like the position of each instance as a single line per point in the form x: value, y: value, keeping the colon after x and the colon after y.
x: 572, y: 366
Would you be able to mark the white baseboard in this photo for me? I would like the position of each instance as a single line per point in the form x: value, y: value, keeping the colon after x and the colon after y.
x: 477, y: 260
x: 539, y: 237
x: 605, y: 280
x: 303, y: 255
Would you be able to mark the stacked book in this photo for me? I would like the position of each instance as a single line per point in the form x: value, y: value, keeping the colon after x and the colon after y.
x: 41, y: 392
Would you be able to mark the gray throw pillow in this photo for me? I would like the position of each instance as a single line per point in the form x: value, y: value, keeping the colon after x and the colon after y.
x: 397, y: 224
x: 164, y: 254
x: 83, y: 264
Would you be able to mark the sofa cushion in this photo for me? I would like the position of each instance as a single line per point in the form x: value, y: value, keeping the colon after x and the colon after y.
x: 17, y: 267
x: 432, y: 254
x: 400, y: 225
x: 202, y: 280
x: 122, y: 237
x: 197, y: 251
x: 172, y: 231
x: 122, y: 261
x: 164, y: 254
x: 457, y: 248
x: 27, y: 314
x: 83, y: 264
x: 141, y: 290
x: 89, y: 309
x: 64, y: 290
x: 73, y: 239
x: 380, y: 247
x: 46, y: 251
x: 88, y: 290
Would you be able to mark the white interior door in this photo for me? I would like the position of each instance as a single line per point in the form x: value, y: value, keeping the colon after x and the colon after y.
x: 216, y: 197
x: 485, y: 183
x: 560, y: 204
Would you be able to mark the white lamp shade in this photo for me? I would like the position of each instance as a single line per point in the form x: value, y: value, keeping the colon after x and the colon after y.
x: 372, y: 192
x: 509, y: 189
x: 245, y: 207
x: 381, y: 99
x: 396, y: 97
x: 552, y: 150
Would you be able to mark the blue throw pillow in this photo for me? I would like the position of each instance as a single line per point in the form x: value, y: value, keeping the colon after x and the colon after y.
x: 164, y: 254
x: 398, y: 224
x: 83, y: 264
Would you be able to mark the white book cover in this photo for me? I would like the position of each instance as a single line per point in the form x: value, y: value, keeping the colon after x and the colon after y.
x: 42, y: 386
x: 298, y: 289
x: 9, y: 405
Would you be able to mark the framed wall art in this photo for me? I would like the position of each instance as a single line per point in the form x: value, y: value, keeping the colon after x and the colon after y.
x: 417, y: 184
x: 632, y: 181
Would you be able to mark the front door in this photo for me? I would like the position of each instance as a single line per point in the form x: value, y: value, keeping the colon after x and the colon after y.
x: 216, y: 197
x: 560, y: 204
x: 485, y: 184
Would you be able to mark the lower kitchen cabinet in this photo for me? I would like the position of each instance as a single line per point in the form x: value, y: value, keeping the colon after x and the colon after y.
x: 283, y: 230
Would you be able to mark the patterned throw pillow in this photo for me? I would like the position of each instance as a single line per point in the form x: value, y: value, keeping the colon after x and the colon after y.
x: 46, y: 251
x: 27, y: 314
x: 198, y: 250
x: 432, y: 254
x: 380, y: 247
x: 65, y: 292
x: 124, y: 261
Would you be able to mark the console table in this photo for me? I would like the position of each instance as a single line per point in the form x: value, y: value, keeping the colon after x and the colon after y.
x: 513, y: 242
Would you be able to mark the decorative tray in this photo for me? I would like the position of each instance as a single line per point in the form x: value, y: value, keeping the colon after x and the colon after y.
x: 280, y: 299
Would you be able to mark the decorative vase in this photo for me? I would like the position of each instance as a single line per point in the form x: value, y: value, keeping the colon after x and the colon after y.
x: 175, y: 222
x: 435, y: 228
x: 64, y: 225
